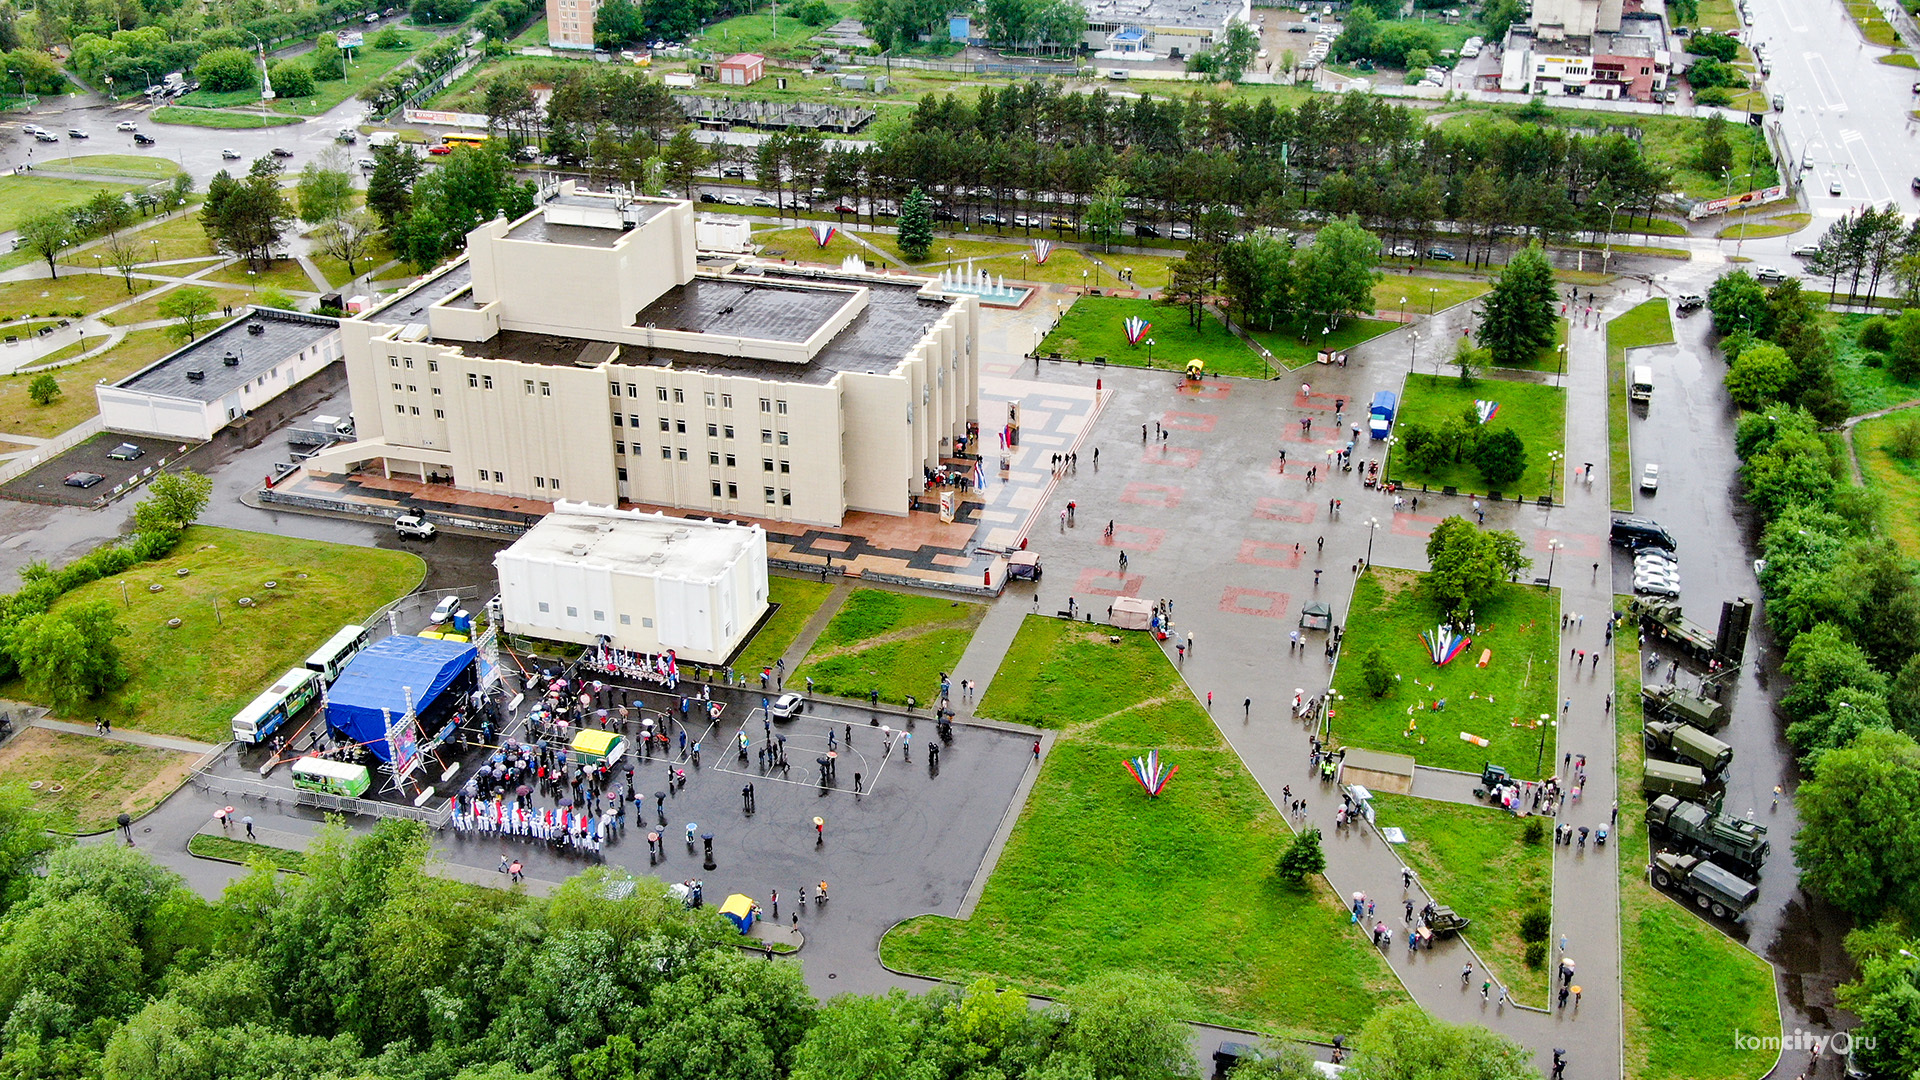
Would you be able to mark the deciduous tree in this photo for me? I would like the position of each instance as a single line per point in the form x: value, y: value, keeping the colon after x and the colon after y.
x: 174, y: 501
x: 189, y: 305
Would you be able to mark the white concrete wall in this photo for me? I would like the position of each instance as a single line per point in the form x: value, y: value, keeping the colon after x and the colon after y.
x: 150, y: 414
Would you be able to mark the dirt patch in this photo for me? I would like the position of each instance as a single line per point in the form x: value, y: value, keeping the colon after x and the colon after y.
x: 888, y: 638
x: 1394, y: 582
x: 96, y: 779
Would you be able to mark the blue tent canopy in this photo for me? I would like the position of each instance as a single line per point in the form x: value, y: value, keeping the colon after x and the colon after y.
x: 376, y: 683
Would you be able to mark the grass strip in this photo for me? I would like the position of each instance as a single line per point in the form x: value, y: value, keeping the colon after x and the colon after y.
x: 227, y: 849
x: 1647, y: 324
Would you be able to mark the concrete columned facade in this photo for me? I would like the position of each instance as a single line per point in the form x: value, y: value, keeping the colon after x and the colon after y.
x: 582, y: 353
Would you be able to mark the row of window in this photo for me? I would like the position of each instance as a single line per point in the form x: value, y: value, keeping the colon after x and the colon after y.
x: 598, y: 616
x: 714, y: 431
x: 731, y: 490
x: 724, y: 401
x: 412, y: 389
x: 414, y: 410
x: 714, y: 457
x: 432, y: 365
x: 542, y: 482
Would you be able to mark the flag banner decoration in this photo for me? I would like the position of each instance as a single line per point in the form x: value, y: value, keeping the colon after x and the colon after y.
x: 1042, y: 251
x: 1486, y: 409
x: 823, y: 232
x: 1150, y: 774
x: 979, y: 477
x: 1444, y: 643
x: 1137, y: 328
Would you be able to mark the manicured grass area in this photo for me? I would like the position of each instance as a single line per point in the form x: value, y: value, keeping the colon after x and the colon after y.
x: 1900, y: 59
x: 148, y: 168
x: 534, y: 34
x: 22, y: 196
x: 1895, y: 483
x: 148, y: 309
x: 1757, y: 230
x: 1685, y: 985
x: 335, y: 270
x: 367, y: 65
x: 1501, y: 702
x: 1551, y: 358
x: 228, y: 849
x: 96, y: 779
x: 191, y: 680
x: 1096, y: 326
x: 68, y: 296
x: 962, y: 249
x: 760, y: 32
x: 1297, y: 344
x: 896, y: 643
x: 183, y: 237
x: 799, y: 244
x: 218, y: 118
x: 1536, y: 412
x: 76, y: 403
x: 798, y: 600
x: 1647, y: 324
x: 1425, y: 295
x: 1063, y: 267
x: 1256, y: 953
x: 285, y: 274
x: 1873, y: 26
x: 1472, y: 859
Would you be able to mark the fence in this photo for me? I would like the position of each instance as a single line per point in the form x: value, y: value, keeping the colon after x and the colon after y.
x: 59, y: 444
x: 239, y: 789
x: 341, y: 506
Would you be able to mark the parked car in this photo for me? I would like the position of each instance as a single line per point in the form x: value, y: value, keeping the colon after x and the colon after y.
x: 126, y: 451
x: 126, y: 125
x: 281, y: 152
x: 1657, y: 584
x: 76, y: 133
x: 45, y: 136
x: 82, y: 479
x: 1808, y: 251
x: 230, y: 155
x: 142, y: 140
x: 1144, y: 229
x: 1691, y: 302
x: 844, y: 208
x: 1650, y: 477
x: 709, y: 197
x: 991, y: 219
x: 1402, y: 251
x: 368, y: 164
x: 765, y: 200
x: 1834, y: 188
x: 734, y: 172
x: 1768, y: 274
x: 1635, y: 533
x: 417, y: 526
x: 788, y: 706
x: 1440, y: 253
x: 440, y: 151
x: 1179, y: 232
x: 731, y: 199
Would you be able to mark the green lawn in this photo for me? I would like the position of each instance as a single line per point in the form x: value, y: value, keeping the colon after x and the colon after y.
x: 1685, y: 985
x: 1063, y: 267
x: 798, y: 599
x: 1758, y: 230
x: 218, y: 118
x: 368, y: 64
x: 21, y: 196
x: 759, y: 32
x: 69, y: 296
x: 1550, y: 359
x: 190, y: 681
x: 962, y: 249
x: 800, y: 244
x: 1536, y: 412
x: 228, y: 849
x: 285, y: 274
x: 1672, y: 142
x: 1862, y: 372
x: 535, y: 34
x: 1873, y: 26
x: 76, y: 403
x: 1298, y: 343
x: 181, y: 238
x: 1096, y: 877
x: 148, y: 168
x: 1895, y: 483
x: 1472, y: 859
x: 1501, y: 702
x: 894, y: 642
x: 85, y: 783
x: 1900, y: 59
x: 1648, y: 324
x: 148, y: 309
x: 1425, y: 295
x: 1096, y: 326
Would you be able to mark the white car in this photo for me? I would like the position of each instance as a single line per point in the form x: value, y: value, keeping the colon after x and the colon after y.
x: 230, y: 155
x: 1657, y: 582
x: 126, y: 125
x: 445, y: 608
x: 731, y: 199
x: 1807, y: 251
x: 1653, y: 562
x: 788, y: 706
x: 765, y: 200
x: 1650, y: 477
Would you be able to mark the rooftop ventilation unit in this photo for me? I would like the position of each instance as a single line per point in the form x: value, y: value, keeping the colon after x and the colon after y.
x: 196, y: 375
x: 230, y: 360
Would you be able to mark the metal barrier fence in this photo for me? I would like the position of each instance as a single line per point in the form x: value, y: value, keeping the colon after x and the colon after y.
x: 239, y: 789
x: 61, y: 443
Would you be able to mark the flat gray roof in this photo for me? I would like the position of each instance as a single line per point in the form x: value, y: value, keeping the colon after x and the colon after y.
x: 744, y: 307
x: 537, y: 229
x: 1183, y: 13
x: 634, y: 542
x: 410, y: 305
x: 282, y: 334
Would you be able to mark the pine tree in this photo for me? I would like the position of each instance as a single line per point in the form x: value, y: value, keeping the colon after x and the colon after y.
x: 916, y: 226
x: 1517, y: 319
x: 1302, y: 857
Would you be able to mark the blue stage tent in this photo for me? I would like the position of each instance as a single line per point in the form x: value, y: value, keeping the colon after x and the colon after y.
x: 375, y: 683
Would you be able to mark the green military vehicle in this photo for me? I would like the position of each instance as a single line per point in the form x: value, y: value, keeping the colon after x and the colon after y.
x: 1687, y: 706
x: 1661, y: 619
x: 1683, y: 742
x: 1738, y: 845
x: 1708, y: 886
x: 1678, y: 779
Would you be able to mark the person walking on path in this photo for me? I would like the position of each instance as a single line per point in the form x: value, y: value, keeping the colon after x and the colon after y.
x: 1189, y: 643
x: 248, y: 822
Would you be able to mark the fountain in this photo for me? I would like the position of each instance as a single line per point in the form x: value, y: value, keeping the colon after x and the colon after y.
x: 853, y: 264
x: 982, y: 284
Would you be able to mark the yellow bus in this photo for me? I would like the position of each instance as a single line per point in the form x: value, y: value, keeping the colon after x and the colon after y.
x: 463, y: 138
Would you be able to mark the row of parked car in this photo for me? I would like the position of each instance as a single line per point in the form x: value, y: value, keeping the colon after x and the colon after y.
x: 1656, y: 569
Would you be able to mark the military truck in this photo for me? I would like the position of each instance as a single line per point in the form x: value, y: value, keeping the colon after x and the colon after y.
x: 1687, y: 706
x: 1740, y: 846
x: 1684, y: 781
x: 1684, y: 742
x: 1708, y: 886
x: 1662, y: 619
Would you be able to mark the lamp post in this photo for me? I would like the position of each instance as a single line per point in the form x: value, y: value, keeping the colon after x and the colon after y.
x: 1083, y: 282
x: 1540, y: 755
x: 1149, y: 354
x: 1403, y: 311
x: 1413, y: 341
x: 1433, y: 293
x: 1606, y: 245
x: 1553, y: 549
x: 1373, y: 526
x: 1553, y: 473
x: 1559, y: 362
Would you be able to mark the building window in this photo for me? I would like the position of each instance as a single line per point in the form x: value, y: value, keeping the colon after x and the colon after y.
x: 733, y: 491
x: 539, y: 481
x: 680, y: 427
x: 769, y: 496
x: 709, y: 399
x: 544, y: 607
x: 713, y: 458
x: 661, y: 391
x: 401, y: 409
x: 766, y: 464
x: 620, y: 448
x: 633, y: 421
x: 766, y: 436
x: 623, y: 475
x: 432, y: 364
x: 498, y: 478
x: 546, y: 389
x: 666, y: 453
x: 439, y: 414
x: 414, y: 409
x: 786, y: 497
x: 393, y: 361
x: 396, y: 388
x: 436, y: 390
x: 716, y: 489
x: 713, y: 431
x: 486, y: 382
x: 626, y: 620
x: 766, y: 405
x: 472, y: 380
x: 731, y: 462
x: 553, y: 482
x: 726, y: 401
x: 615, y: 387
x: 781, y: 407
x: 681, y: 453
x: 784, y: 468
x: 679, y: 396
x: 729, y: 431
x: 599, y: 616
x: 783, y: 438
x: 572, y: 612
x: 408, y: 362
x: 616, y: 419
x: 665, y: 424
x: 529, y: 383
x: 411, y: 389
x: 645, y: 621
x: 633, y: 390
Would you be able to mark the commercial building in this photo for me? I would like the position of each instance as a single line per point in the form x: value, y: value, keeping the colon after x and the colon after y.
x: 1150, y: 29
x: 583, y: 352
x: 644, y: 583
x: 192, y: 393
x: 570, y: 23
x: 744, y: 69
x: 1588, y: 48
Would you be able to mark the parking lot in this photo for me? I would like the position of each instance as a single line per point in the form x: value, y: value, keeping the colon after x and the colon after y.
x: 46, y: 483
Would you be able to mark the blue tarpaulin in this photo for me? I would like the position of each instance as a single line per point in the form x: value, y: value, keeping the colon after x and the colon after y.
x: 377, y: 681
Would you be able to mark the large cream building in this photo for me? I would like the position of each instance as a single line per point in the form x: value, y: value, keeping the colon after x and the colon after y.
x: 582, y: 353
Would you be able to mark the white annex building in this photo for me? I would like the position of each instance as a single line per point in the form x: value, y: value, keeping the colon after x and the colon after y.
x: 645, y: 582
x: 195, y: 391
x: 585, y: 352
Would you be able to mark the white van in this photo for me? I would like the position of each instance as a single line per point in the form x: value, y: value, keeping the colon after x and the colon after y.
x: 1640, y: 386
x: 1118, y: 74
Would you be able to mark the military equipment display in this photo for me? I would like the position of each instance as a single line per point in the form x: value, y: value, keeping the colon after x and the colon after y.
x: 1684, y: 742
x: 1676, y: 778
x: 1708, y: 886
x: 1662, y: 619
x: 1687, y: 706
x: 1738, y: 845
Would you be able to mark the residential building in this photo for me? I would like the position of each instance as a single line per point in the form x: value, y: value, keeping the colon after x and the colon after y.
x: 195, y: 391
x: 583, y: 352
x: 1589, y: 48
x: 640, y: 582
x: 570, y: 23
x: 1150, y: 29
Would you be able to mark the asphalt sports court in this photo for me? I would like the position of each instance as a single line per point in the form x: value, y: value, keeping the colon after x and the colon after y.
x: 807, y: 742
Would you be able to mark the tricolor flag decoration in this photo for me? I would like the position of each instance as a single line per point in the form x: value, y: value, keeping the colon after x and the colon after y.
x: 1486, y: 409
x: 1444, y: 643
x: 979, y: 477
x: 823, y: 232
x: 1150, y: 774
x: 1137, y: 328
x: 1042, y: 251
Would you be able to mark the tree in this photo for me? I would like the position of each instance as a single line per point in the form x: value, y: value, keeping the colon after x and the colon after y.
x: 325, y: 61
x: 174, y: 501
x: 190, y: 304
x: 68, y: 657
x: 226, y: 70
x: 1404, y: 1043
x: 1859, y: 842
x: 75, y: 951
x: 348, y: 238
x: 291, y: 79
x: 916, y: 226
x: 390, y: 188
x: 1302, y: 857
x: 43, y: 389
x: 24, y: 843
x: 1759, y: 375
x: 1235, y: 52
x: 1467, y: 563
x: 1375, y: 674
x: 1738, y: 302
x: 473, y: 185
x: 1517, y: 318
x: 323, y: 193
x: 47, y: 234
x: 1106, y: 213
x: 1129, y: 1027
x: 617, y: 23
x: 1335, y: 276
x: 124, y: 254
x: 246, y: 217
x: 1187, y: 287
x: 1501, y: 458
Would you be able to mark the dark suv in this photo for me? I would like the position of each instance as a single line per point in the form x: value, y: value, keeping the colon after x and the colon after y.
x: 1633, y: 533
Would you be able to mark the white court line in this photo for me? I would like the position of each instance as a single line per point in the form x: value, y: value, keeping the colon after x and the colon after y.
x: 730, y: 754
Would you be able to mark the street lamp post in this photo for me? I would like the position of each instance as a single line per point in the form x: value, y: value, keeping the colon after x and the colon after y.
x: 1433, y: 292
x: 1559, y: 362
x: 1540, y: 755
x: 1553, y: 549
x: 1553, y: 473
x: 1606, y: 244
x: 1373, y: 526
x: 1413, y: 341
x: 1403, y: 311
x: 1149, y: 354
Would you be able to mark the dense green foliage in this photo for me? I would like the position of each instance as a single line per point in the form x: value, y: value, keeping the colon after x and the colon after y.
x: 1517, y: 319
x: 1467, y: 563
